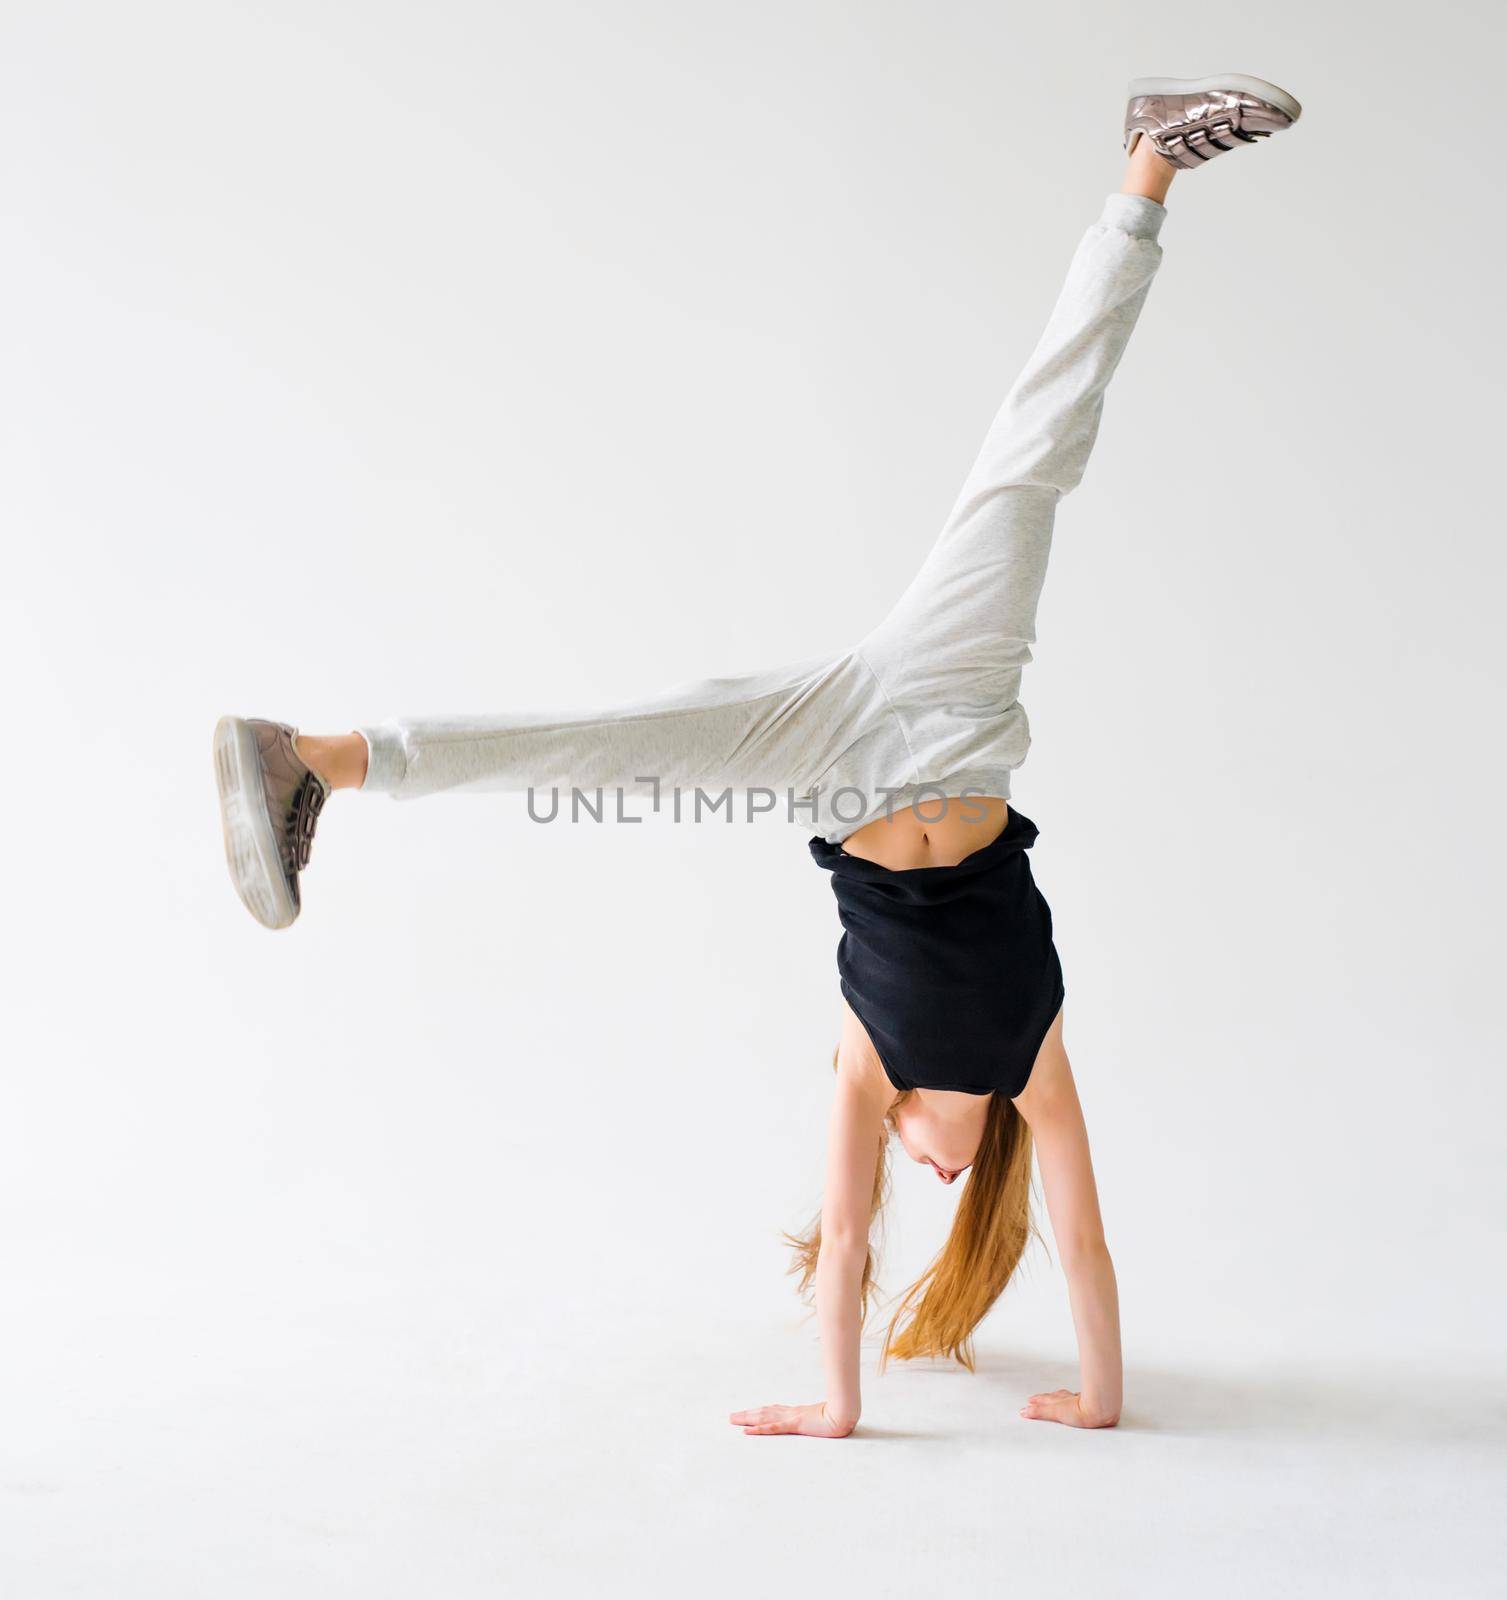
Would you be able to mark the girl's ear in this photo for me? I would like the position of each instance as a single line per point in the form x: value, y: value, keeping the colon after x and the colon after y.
x: 889, y: 1117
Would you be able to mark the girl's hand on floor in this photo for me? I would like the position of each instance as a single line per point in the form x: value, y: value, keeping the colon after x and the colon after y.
x: 1063, y: 1406
x: 812, y: 1421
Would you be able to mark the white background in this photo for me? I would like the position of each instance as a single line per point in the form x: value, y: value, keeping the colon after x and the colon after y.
x: 361, y: 359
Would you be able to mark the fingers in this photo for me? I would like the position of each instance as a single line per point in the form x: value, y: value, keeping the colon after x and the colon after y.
x: 761, y: 1419
x: 812, y: 1421
x: 1059, y: 1406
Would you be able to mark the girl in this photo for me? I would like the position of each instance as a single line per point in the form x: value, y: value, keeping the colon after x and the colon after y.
x: 899, y: 751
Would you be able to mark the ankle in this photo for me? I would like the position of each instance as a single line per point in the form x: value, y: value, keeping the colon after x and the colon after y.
x: 1147, y: 174
x: 340, y: 759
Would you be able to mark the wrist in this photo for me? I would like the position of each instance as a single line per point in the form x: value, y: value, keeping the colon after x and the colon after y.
x: 1099, y: 1410
x: 841, y: 1419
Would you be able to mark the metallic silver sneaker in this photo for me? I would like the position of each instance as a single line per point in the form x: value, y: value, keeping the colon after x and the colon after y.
x: 269, y: 804
x: 1189, y: 121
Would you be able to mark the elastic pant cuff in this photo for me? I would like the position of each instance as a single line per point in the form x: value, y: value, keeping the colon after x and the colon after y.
x: 1133, y: 214
x: 386, y: 760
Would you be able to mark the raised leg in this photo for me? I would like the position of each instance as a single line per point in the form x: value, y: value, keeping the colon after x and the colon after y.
x: 950, y: 654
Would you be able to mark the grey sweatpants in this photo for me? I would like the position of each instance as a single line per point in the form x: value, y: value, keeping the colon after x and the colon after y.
x: 925, y: 705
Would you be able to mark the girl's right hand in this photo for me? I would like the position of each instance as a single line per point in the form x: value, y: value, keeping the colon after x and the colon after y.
x: 812, y: 1421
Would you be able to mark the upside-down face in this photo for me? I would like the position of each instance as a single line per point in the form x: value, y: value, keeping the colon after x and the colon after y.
x: 941, y: 1128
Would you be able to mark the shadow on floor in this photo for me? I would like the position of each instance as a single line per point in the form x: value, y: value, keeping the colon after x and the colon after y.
x: 1378, y: 1404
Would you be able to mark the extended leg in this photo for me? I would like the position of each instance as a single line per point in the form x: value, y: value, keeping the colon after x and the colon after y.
x: 776, y: 730
x: 782, y: 732
x: 950, y: 654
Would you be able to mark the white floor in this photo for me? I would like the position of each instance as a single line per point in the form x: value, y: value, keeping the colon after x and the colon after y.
x: 302, y: 1438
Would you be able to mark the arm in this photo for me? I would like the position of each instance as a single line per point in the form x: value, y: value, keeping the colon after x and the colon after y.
x: 855, y: 1140
x: 1050, y: 1106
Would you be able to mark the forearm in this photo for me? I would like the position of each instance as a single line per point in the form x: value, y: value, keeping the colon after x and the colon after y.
x: 1095, y: 1302
x: 839, y: 1276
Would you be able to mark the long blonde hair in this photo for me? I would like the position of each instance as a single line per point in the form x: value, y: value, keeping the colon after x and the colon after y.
x: 989, y: 1234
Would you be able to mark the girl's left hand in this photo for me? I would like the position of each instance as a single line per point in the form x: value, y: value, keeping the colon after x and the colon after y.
x: 812, y: 1421
x: 1063, y: 1406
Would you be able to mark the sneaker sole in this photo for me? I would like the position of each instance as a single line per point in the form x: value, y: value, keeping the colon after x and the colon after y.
x: 1241, y: 81
x: 250, y: 844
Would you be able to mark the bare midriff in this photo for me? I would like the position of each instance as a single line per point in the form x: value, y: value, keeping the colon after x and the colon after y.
x: 932, y: 834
